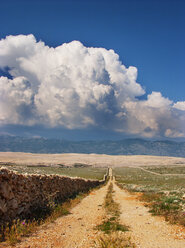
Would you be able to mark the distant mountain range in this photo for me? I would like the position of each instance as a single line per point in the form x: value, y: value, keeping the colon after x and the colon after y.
x: 121, y: 147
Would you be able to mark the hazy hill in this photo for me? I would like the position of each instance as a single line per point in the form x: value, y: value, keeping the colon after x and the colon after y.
x: 122, y: 147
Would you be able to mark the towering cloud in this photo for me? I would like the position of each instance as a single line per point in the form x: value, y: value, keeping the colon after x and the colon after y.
x: 75, y: 87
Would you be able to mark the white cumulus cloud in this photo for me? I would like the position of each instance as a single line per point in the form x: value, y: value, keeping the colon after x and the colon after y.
x: 74, y: 86
x: 179, y: 105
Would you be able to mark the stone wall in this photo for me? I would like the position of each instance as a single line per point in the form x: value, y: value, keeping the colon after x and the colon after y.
x: 21, y: 194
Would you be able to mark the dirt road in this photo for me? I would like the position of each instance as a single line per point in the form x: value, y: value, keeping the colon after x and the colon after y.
x: 158, y: 174
x: 77, y: 229
x: 72, y: 231
x: 147, y: 231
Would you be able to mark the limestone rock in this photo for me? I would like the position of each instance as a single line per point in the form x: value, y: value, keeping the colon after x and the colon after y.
x: 3, y: 208
x: 6, y: 191
x: 19, y: 193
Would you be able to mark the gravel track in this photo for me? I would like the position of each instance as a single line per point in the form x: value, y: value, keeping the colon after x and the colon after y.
x: 77, y: 230
x: 147, y: 231
x: 72, y: 231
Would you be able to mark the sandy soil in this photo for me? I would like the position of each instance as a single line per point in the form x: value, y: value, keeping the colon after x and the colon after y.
x: 147, y: 231
x: 77, y: 230
x: 73, y: 231
x: 92, y: 159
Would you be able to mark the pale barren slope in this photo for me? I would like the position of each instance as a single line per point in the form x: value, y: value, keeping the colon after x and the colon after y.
x: 92, y: 159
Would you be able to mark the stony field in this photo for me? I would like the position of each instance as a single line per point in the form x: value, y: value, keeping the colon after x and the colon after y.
x: 162, y: 188
x: 95, y: 160
x: 82, y: 172
x: 143, y: 188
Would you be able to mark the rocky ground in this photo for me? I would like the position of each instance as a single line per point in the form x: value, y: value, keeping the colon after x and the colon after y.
x: 147, y: 231
x: 77, y: 230
x: 74, y: 230
x: 96, y: 160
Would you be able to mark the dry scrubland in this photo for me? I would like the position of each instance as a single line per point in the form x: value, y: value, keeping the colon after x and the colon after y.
x: 89, y: 159
x: 161, y: 187
x: 158, y: 182
x: 113, y: 218
x: 84, y: 172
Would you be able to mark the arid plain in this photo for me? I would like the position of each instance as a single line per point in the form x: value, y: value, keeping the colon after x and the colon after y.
x: 147, y: 197
x: 96, y: 160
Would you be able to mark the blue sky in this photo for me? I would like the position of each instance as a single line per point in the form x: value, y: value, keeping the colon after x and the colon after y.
x: 146, y: 34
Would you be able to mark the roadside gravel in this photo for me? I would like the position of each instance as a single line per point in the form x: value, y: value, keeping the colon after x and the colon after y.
x: 77, y: 230
x: 72, y: 231
x: 147, y: 231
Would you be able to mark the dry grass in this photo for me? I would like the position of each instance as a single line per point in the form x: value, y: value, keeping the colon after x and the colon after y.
x: 114, y: 240
x: 163, y: 194
x: 13, y: 232
x: 83, y: 172
x: 168, y: 169
x: 113, y: 231
x: 111, y: 207
x: 171, y: 207
x: 144, y: 181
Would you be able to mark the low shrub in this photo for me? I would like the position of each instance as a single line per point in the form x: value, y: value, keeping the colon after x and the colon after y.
x: 114, y: 240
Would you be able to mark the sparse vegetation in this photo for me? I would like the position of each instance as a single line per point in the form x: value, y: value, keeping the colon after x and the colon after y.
x: 138, y: 180
x: 12, y: 232
x: 111, y: 227
x: 111, y: 222
x: 167, y: 169
x: 80, y: 170
x: 111, y: 207
x: 163, y: 194
x: 171, y: 207
x: 114, y: 240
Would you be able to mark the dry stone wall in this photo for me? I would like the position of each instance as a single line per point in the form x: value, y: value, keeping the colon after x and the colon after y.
x: 21, y: 194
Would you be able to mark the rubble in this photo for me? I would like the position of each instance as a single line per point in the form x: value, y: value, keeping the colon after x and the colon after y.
x: 19, y: 193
